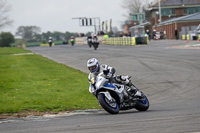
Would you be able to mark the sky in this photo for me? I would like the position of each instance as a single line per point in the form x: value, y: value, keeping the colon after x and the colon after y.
x: 56, y: 15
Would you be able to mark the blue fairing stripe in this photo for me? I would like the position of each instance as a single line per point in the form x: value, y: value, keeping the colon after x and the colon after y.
x: 110, y: 85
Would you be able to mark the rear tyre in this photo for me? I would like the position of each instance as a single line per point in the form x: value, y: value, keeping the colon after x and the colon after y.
x: 110, y: 106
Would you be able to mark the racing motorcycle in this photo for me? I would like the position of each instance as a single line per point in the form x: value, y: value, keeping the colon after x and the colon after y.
x: 95, y: 43
x: 72, y: 41
x: 113, y: 96
x: 89, y: 42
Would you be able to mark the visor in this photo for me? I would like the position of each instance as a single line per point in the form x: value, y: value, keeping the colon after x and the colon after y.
x: 92, y: 68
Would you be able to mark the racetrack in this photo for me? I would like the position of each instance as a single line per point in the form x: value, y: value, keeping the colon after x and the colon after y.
x: 169, y: 77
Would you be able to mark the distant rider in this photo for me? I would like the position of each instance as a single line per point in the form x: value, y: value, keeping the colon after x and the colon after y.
x: 95, y: 38
x: 89, y: 38
x: 94, y: 67
x: 50, y: 41
x: 72, y: 37
x: 72, y: 40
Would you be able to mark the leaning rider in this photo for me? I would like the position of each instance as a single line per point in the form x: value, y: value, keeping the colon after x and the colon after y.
x: 94, y: 67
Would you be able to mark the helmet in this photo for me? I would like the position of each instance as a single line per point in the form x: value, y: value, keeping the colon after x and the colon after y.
x: 93, y: 65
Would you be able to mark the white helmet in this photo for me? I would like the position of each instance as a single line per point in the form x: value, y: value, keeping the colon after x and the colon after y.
x: 93, y: 65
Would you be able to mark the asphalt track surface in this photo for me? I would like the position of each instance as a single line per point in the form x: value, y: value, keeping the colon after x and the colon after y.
x: 169, y: 76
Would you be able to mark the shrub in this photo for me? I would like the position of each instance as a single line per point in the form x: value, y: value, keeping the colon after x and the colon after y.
x: 6, y: 38
x: 44, y: 42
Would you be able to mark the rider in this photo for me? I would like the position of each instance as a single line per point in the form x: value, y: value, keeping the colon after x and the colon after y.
x: 94, y: 67
x: 95, y: 38
x: 72, y: 38
x: 50, y: 41
x: 89, y: 37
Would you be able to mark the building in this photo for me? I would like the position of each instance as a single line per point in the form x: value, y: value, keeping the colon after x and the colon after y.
x: 172, y: 17
x: 135, y: 19
x: 128, y: 24
x: 176, y: 27
x: 170, y: 9
x: 173, y: 9
x: 139, y: 17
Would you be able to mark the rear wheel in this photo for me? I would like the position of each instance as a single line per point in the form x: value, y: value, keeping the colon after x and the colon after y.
x: 111, y: 106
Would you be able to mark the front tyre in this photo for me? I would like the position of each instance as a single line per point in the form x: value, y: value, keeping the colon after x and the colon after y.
x: 142, y: 104
x: 110, y: 106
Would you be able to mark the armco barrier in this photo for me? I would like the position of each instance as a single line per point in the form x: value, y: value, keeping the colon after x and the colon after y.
x: 125, y: 41
x: 46, y: 44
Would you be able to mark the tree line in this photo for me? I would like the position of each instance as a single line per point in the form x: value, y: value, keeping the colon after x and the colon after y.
x: 33, y: 34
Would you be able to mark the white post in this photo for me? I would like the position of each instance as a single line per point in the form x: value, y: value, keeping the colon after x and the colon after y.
x: 160, y: 11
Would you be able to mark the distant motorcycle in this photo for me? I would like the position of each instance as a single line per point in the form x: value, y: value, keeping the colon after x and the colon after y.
x: 72, y: 41
x: 95, y: 43
x: 89, y: 41
x: 113, y: 96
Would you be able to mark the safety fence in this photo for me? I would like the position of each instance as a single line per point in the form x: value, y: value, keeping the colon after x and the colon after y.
x: 127, y: 40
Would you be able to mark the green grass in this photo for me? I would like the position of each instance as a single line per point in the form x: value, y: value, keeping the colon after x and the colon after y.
x: 35, y: 83
x: 12, y: 50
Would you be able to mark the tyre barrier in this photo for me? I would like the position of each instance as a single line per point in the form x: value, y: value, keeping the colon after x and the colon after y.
x: 126, y: 41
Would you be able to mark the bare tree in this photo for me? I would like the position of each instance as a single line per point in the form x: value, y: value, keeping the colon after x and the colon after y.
x: 4, y: 9
x: 136, y: 6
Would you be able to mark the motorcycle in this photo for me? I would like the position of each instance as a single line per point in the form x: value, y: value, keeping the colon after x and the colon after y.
x: 50, y: 44
x: 72, y: 41
x: 89, y: 42
x: 95, y: 43
x: 113, y: 96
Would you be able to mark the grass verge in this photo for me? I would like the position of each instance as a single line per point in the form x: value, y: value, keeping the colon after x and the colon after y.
x: 35, y: 83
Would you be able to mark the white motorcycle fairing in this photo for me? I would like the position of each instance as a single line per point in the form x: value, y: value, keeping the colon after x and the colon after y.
x: 113, y: 96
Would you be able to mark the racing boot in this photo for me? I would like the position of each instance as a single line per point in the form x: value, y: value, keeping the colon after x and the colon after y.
x: 134, y: 91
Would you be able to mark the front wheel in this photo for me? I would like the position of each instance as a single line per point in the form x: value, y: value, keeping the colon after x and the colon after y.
x: 142, y: 104
x: 110, y: 106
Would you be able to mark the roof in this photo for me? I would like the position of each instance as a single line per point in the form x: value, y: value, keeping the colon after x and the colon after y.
x: 164, y: 3
x: 191, y: 17
x: 141, y: 25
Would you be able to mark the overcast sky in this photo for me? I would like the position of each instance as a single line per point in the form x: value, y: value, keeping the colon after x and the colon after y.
x: 56, y: 15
